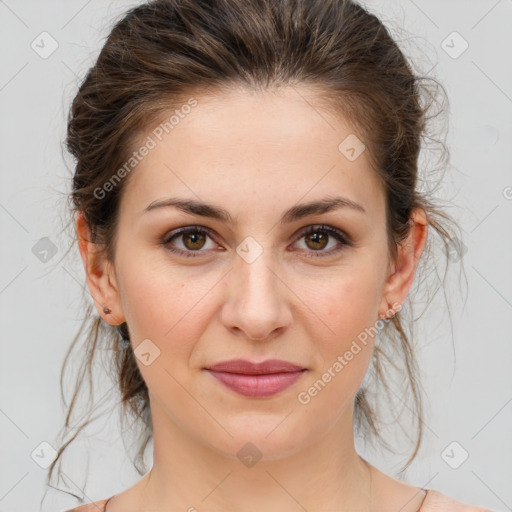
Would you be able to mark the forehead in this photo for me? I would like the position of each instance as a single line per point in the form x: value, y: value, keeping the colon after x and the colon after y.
x: 247, y: 145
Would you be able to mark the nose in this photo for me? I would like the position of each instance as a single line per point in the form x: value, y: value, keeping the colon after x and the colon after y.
x: 258, y: 300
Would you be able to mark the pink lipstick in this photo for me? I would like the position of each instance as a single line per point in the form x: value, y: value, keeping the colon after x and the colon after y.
x: 257, y: 380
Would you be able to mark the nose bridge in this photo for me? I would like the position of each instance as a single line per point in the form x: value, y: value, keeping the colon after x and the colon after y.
x: 257, y: 280
x: 257, y: 302
x: 253, y: 265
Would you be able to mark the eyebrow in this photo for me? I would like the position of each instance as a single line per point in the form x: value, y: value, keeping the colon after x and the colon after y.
x: 293, y: 214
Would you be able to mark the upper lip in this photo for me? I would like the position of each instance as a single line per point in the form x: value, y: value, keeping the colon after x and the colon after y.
x: 244, y: 366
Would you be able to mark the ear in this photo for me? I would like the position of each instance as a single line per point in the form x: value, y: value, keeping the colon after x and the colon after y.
x: 403, y: 270
x: 100, y: 274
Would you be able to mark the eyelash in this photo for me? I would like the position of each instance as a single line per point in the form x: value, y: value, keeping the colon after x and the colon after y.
x: 338, y: 235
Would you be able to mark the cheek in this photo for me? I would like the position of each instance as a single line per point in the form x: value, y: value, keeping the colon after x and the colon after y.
x: 163, y: 305
x: 348, y: 305
x: 167, y: 310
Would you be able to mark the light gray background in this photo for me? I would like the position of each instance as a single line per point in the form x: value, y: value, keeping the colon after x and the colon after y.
x: 470, y: 399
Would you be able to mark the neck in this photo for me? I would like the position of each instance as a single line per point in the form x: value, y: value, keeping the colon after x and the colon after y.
x: 188, y: 474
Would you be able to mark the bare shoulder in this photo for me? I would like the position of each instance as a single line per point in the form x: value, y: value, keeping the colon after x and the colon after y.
x: 97, y: 506
x: 436, y: 501
x: 399, y: 495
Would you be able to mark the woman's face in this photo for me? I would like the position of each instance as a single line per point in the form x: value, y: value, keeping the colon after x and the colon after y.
x: 252, y: 284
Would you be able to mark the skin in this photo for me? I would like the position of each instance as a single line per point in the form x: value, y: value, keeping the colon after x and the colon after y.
x: 255, y: 154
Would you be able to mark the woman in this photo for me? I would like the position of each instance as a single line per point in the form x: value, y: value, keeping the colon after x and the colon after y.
x: 249, y: 219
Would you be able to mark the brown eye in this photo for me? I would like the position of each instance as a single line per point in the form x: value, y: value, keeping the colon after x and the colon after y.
x: 197, y: 240
x: 317, y: 240
x: 194, y: 241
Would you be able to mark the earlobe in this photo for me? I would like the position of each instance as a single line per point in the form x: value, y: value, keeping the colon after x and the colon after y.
x: 100, y: 275
x: 400, y: 280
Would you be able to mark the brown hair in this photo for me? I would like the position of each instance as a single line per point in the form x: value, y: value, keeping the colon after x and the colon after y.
x: 162, y: 52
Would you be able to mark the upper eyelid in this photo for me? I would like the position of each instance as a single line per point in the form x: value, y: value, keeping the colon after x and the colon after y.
x: 187, y: 229
x: 298, y: 233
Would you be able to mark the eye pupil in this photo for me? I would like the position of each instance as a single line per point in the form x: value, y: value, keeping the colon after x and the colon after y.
x: 194, y: 236
x: 319, y: 240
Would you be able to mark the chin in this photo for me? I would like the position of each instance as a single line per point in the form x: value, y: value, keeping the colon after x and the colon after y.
x: 258, y: 438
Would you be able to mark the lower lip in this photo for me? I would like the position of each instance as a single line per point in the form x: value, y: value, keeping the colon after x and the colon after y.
x: 257, y: 385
